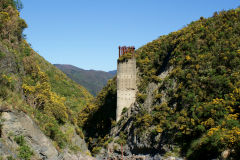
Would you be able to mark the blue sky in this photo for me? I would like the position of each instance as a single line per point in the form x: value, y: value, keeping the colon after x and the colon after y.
x: 87, y: 33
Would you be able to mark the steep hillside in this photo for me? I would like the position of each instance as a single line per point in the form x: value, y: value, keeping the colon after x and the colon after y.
x: 33, y: 90
x: 92, y: 80
x: 188, y: 95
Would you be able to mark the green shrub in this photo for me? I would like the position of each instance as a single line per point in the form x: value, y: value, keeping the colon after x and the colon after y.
x: 10, y: 158
x: 24, y: 151
x: 53, y: 131
x: 20, y: 140
x: 2, y: 55
x: 75, y: 149
x: 1, y: 121
x: 8, y: 81
x: 96, y: 150
x: 100, y: 115
x: 125, y: 57
x: 158, y: 96
x: 124, y: 110
x: 80, y: 132
x: 122, y: 139
x: 105, y: 144
x: 141, y: 97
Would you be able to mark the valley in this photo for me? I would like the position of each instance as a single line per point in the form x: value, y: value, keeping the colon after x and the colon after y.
x: 174, y: 98
x: 92, y: 80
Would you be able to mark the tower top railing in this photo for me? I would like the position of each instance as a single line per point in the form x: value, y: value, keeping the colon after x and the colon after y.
x: 124, y: 49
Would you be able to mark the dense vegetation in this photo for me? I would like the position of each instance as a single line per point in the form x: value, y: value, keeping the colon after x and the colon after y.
x: 99, y: 116
x: 29, y: 83
x: 92, y: 80
x: 197, y: 104
x: 200, y: 109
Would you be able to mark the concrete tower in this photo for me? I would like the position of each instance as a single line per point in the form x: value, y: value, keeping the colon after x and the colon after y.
x: 126, y: 81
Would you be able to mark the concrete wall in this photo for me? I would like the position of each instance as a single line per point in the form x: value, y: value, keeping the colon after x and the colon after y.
x: 126, y: 85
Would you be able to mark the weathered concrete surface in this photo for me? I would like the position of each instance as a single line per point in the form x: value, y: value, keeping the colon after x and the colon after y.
x: 126, y: 85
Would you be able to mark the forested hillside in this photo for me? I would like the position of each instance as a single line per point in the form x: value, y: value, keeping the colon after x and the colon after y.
x: 92, y: 80
x: 188, y: 94
x: 30, y: 84
x: 188, y: 99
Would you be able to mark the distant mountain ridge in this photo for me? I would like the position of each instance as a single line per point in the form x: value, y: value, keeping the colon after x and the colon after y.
x: 114, y: 72
x: 92, y: 80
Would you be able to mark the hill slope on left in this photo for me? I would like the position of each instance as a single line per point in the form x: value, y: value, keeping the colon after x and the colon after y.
x: 32, y: 86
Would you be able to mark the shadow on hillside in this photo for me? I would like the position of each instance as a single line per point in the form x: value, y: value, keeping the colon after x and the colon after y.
x: 100, y: 122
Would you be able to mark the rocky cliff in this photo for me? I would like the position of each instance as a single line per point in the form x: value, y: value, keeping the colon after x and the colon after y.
x: 187, y: 103
x: 16, y: 126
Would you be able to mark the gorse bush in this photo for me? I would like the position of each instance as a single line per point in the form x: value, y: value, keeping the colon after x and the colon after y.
x: 40, y: 96
x: 16, y: 4
x: 197, y: 105
x: 11, y: 25
x: 34, y: 86
x: 55, y: 102
x: 202, y: 89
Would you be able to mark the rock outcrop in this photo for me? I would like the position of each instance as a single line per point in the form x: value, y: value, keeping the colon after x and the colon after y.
x: 145, y: 145
x: 15, y: 123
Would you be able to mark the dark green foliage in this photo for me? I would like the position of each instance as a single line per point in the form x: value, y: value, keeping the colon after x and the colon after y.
x: 96, y: 150
x: 51, y: 129
x: 11, y: 25
x: 2, y: 54
x: 122, y: 140
x: 124, y: 110
x: 100, y: 115
x: 197, y: 105
x: 141, y: 97
x: 10, y: 158
x: 16, y: 4
x: 1, y: 121
x: 19, y: 140
x: 206, y: 65
x: 5, y: 3
x: 24, y: 151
